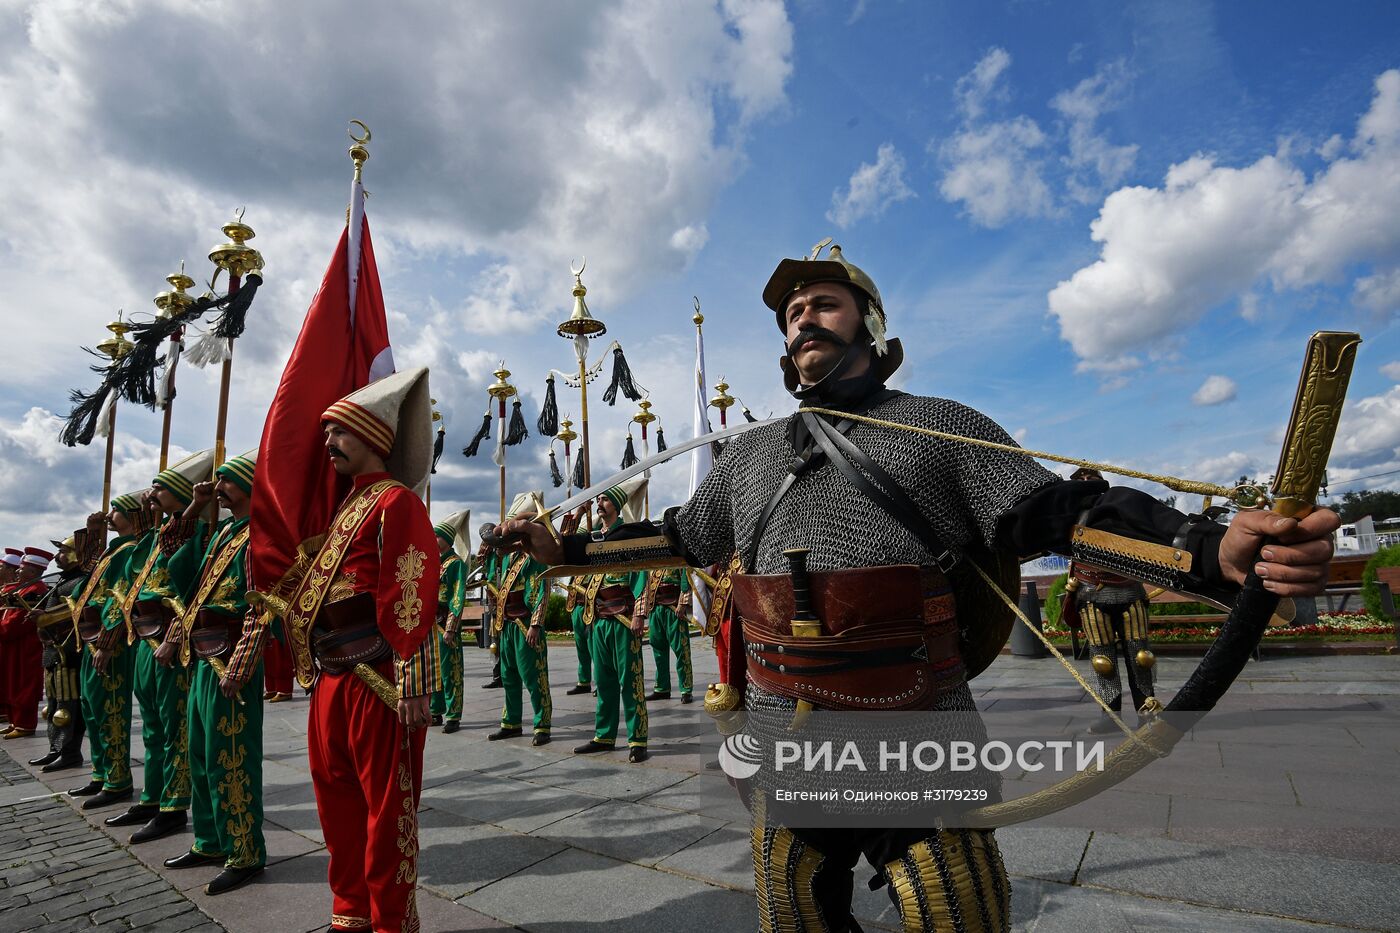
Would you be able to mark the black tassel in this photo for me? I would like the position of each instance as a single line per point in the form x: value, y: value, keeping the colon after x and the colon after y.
x: 517, y: 431
x: 555, y: 476
x: 621, y: 377
x: 481, y: 435
x: 660, y: 440
x: 549, y: 414
x: 81, y: 424
x: 629, y: 454
x: 578, y: 469
x: 748, y: 415
x: 231, y: 322
x: 437, y: 447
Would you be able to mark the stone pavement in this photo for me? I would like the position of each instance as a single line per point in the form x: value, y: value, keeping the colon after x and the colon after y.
x: 1257, y: 822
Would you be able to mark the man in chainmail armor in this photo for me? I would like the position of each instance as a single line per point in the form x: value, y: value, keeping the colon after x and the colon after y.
x: 893, y: 525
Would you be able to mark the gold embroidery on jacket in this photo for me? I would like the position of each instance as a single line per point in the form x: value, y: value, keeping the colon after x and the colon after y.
x: 408, y: 611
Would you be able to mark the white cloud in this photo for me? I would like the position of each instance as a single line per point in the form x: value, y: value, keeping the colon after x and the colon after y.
x: 873, y: 188
x: 1391, y: 370
x: 1379, y: 293
x: 1369, y: 431
x: 994, y: 169
x: 1216, y: 390
x: 1094, y: 162
x: 1172, y: 254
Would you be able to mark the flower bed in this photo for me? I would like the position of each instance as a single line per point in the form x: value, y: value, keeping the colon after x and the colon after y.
x: 1331, y: 626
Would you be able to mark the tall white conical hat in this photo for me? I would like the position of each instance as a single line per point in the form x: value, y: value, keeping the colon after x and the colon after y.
x: 455, y: 528
x: 394, y: 416
x: 180, y: 478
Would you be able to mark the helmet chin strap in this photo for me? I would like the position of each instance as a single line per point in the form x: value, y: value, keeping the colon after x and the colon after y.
x: 818, y: 389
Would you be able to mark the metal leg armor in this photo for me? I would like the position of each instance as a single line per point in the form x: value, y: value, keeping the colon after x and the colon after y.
x: 1103, y: 647
x: 952, y: 881
x: 1138, y: 654
x: 785, y: 871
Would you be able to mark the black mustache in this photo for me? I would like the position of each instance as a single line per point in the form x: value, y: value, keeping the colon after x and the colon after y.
x: 336, y: 452
x: 808, y: 334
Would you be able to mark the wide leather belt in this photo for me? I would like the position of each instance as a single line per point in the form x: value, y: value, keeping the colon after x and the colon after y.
x: 149, y: 618
x: 889, y: 637
x: 516, y: 608
x: 215, y: 635
x: 668, y: 594
x: 614, y: 600
x: 90, y: 624
x: 347, y: 633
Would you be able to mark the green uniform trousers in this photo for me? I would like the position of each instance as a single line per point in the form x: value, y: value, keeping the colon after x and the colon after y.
x: 617, y: 669
x: 163, y: 694
x: 107, y: 712
x: 583, y: 639
x: 523, y: 665
x: 226, y: 768
x: 670, y: 633
x: 447, y: 700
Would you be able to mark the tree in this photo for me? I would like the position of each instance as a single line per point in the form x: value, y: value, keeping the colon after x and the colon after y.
x: 1378, y: 503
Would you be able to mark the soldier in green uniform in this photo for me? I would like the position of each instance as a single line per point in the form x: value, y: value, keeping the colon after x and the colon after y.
x: 521, y: 602
x: 583, y: 634
x: 161, y: 691
x: 106, y: 668
x: 668, y: 594
x: 222, y: 644
x: 613, y: 601
x: 452, y: 534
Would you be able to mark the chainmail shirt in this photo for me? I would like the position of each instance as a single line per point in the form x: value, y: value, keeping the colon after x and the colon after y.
x: 961, y: 489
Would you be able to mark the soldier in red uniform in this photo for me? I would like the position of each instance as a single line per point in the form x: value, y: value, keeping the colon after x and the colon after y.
x: 358, y: 628
x: 24, y: 653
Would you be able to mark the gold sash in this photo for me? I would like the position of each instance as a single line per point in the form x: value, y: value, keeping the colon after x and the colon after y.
x: 133, y: 594
x: 590, y: 598
x: 94, y: 581
x: 503, y: 594
x: 311, y: 591
x: 213, y: 573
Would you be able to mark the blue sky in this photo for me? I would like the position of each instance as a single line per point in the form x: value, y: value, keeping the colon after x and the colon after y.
x: 1109, y: 226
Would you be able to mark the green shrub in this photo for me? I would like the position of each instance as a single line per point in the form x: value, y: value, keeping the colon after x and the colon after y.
x: 555, y: 618
x: 1370, y: 593
x: 1053, y: 605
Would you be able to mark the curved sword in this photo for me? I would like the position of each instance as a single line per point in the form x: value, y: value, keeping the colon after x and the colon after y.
x: 641, y: 466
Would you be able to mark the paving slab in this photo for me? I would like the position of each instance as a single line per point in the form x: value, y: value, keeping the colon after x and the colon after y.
x: 605, y: 774
x: 457, y: 856
x: 510, y: 804
x: 630, y: 831
x: 579, y: 892
x: 1280, y: 884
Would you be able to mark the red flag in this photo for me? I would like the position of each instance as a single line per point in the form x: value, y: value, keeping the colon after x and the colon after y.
x: 343, y: 346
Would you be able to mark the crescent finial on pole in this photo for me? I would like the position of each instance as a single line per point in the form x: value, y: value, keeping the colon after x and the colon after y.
x: 358, y: 153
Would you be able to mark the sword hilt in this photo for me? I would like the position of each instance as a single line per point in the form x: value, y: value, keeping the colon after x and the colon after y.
x: 805, y: 623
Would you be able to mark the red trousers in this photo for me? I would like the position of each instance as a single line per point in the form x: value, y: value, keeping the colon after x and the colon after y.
x: 277, y: 667
x: 22, y: 677
x: 367, y: 771
x: 722, y: 650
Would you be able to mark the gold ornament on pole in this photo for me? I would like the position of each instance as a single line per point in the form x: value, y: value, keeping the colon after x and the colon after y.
x: 237, y: 259
x: 114, y: 348
x: 500, y: 390
x: 567, y: 436
x: 580, y: 327
x: 168, y: 304
x: 644, y: 417
x: 722, y: 400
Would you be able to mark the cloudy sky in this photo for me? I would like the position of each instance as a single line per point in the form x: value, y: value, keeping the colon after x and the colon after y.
x: 1110, y: 226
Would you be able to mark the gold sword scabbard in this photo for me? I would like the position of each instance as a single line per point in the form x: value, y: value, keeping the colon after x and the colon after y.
x: 1317, y: 408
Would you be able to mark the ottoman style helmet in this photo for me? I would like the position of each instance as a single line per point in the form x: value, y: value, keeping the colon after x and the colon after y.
x: 794, y: 274
x: 394, y: 416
